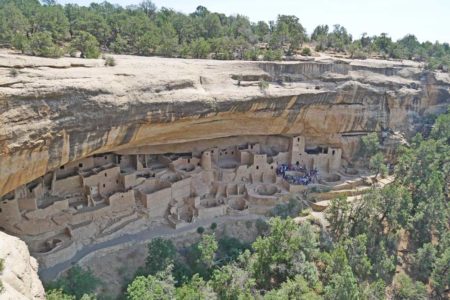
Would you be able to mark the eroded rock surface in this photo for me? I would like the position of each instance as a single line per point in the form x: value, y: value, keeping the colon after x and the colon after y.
x: 19, y: 278
x: 58, y: 111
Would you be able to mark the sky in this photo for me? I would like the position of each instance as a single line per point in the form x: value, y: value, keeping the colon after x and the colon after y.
x: 427, y: 19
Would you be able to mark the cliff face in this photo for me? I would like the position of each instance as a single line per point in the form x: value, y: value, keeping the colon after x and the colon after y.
x: 57, y: 111
x: 19, y: 277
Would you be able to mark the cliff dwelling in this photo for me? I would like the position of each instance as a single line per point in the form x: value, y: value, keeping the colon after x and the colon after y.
x: 93, y: 197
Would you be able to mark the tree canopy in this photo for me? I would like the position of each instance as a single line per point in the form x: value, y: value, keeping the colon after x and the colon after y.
x: 145, y: 29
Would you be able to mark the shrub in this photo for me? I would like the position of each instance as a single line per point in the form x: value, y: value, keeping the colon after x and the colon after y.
x: 320, y: 189
x: 290, y: 209
x: 306, y: 51
x: 213, y: 226
x: 77, y: 282
x: 41, y: 44
x: 161, y: 254
x: 200, y: 48
x: 230, y: 248
x: 359, y: 54
x: 261, y: 226
x: 110, y: 61
x: 13, y: 72
x: 58, y: 294
x: 87, y: 44
x: 21, y: 42
x: 200, y: 230
x: 248, y: 224
x: 305, y: 212
x: 263, y: 85
x: 407, y: 289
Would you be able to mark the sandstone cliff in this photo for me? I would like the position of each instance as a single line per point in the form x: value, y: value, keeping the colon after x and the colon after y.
x: 57, y: 111
x: 19, y: 278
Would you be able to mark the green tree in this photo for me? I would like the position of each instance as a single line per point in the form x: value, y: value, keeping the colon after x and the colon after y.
x: 376, y: 163
x: 58, y: 295
x: 41, y: 44
x: 148, y: 43
x: 77, y: 282
x: 406, y: 289
x: 373, y: 291
x: 342, y: 286
x: 440, y: 277
x: 87, y: 20
x: 52, y: 19
x: 12, y: 23
x: 169, y: 40
x: 208, y: 247
x: 441, y: 128
x: 356, y: 249
x: 289, y: 30
x: 200, y: 48
x: 160, y: 254
x: 262, y: 30
x: 148, y: 7
x: 369, y: 145
x: 87, y: 44
x: 196, y: 289
x: 339, y: 38
x: 338, y: 215
x: 283, y: 253
x: 233, y: 282
x: 157, y: 287
x: 294, y: 289
x: 423, y: 261
x: 212, y: 26
x: 319, y: 31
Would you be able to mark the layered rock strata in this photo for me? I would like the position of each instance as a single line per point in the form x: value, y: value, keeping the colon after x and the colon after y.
x: 58, y: 111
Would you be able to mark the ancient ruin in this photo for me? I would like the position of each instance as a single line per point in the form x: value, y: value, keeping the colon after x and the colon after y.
x: 91, y: 155
x: 94, y: 197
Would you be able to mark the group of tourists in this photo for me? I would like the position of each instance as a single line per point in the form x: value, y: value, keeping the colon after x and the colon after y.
x: 301, y: 176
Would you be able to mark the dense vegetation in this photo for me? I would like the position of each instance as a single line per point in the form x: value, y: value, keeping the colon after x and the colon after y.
x: 53, y: 30
x: 393, y: 242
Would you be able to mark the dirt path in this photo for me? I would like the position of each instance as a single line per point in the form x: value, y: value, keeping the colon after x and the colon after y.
x: 140, y: 237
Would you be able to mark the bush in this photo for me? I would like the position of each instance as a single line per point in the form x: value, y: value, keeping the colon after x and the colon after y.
x: 261, y: 226
x: 250, y: 54
x: 290, y: 209
x: 161, y: 254
x: 58, y: 294
x: 271, y: 55
x: 407, y: 289
x: 320, y: 189
x: 359, y: 54
x: 200, y: 230
x: 305, y: 212
x: 306, y: 51
x: 230, y: 248
x: 110, y: 61
x: 200, y: 48
x: 263, y: 85
x: 213, y: 226
x: 21, y: 42
x: 77, y: 282
x: 13, y: 72
x: 41, y: 44
x: 87, y: 44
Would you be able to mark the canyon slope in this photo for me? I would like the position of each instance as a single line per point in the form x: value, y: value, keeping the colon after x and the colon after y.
x: 58, y: 111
